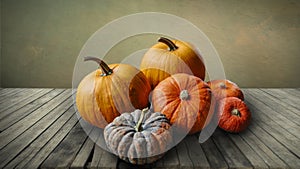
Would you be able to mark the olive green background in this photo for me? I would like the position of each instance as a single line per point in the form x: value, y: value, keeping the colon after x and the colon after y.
x: 258, y: 41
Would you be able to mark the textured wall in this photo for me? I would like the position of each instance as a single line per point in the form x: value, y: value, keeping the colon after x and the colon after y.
x: 258, y: 41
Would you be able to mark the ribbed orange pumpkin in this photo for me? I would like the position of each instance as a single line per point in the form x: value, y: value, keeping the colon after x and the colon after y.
x: 234, y: 115
x: 110, y: 90
x: 185, y: 100
x: 225, y: 88
x: 169, y: 57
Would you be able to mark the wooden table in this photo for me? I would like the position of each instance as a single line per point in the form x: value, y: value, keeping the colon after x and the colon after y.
x: 39, y: 129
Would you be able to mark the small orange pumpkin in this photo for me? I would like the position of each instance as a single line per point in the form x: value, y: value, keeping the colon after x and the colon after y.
x: 225, y: 88
x: 185, y: 100
x: 103, y: 94
x: 169, y: 57
x: 234, y: 115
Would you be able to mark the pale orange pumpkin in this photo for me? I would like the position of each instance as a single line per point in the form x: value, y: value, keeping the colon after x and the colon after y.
x: 185, y: 100
x: 110, y: 90
x: 225, y: 88
x: 169, y: 57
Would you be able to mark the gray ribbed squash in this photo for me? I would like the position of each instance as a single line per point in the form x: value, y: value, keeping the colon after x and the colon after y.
x: 139, y: 137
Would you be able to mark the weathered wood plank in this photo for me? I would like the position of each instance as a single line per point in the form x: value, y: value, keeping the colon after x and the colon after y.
x: 284, y: 104
x: 282, y: 152
x: 124, y: 165
x: 270, y: 115
x: 183, y: 155
x: 7, y: 91
x: 273, y: 106
x: 190, y: 153
x: 101, y: 157
x: 213, y: 155
x: 285, y: 97
x: 81, y: 159
x: 8, y: 152
x: 269, y: 157
x: 233, y: 156
x: 97, y: 155
x: 64, y: 154
x: 281, y: 134
x: 21, y: 104
x: 15, y: 116
x: 10, y: 102
x: 292, y: 91
x: 170, y: 160
x: 47, y: 149
x: 289, y: 112
x: 12, y: 132
x: 86, y: 152
x: 10, y: 93
x: 195, y: 152
x: 158, y: 164
x: 108, y: 161
x: 28, y: 148
x: 249, y: 153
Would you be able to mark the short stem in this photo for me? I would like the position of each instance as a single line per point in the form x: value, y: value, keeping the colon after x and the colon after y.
x: 184, y: 95
x: 104, y: 67
x: 168, y: 42
x: 138, y: 126
x: 236, y: 112
x: 222, y: 86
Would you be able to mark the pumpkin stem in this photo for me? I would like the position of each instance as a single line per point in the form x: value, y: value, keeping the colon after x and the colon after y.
x: 168, y: 42
x: 138, y: 126
x: 104, y: 67
x: 236, y: 112
x: 184, y: 95
x: 223, y: 86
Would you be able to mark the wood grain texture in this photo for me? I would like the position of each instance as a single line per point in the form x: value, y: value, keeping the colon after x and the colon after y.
x: 43, y: 130
x: 12, y: 116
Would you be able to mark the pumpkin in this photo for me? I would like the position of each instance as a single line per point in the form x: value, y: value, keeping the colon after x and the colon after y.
x: 103, y: 94
x: 169, y: 57
x: 234, y: 115
x: 139, y: 137
x: 225, y: 88
x: 185, y: 100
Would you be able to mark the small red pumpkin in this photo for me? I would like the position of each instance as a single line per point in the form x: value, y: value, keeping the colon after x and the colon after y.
x: 185, y: 100
x: 234, y: 115
x: 225, y: 88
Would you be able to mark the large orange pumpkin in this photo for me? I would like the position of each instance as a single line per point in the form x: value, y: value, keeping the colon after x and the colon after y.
x: 185, y: 100
x: 110, y: 90
x: 225, y: 88
x: 169, y: 57
x: 234, y: 115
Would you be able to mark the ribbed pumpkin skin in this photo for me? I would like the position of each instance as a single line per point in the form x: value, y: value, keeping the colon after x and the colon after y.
x: 188, y: 114
x: 139, y: 147
x: 159, y: 62
x: 225, y: 88
x: 228, y: 121
x: 100, y: 99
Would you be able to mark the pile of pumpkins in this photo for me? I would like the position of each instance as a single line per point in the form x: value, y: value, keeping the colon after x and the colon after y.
x: 117, y: 98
